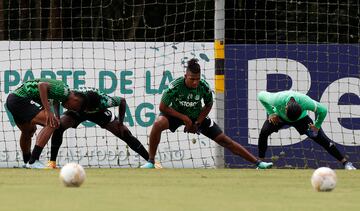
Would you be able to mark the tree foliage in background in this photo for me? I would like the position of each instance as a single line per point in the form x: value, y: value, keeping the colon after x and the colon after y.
x: 247, y: 21
x: 108, y: 20
x: 293, y: 21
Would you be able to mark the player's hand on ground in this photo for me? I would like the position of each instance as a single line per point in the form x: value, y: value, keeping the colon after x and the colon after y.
x: 274, y: 119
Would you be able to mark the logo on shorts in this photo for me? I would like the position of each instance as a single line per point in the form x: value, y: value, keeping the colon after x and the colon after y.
x: 35, y: 103
x: 107, y: 113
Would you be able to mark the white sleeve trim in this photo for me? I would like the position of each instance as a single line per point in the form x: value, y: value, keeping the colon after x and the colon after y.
x: 315, y: 106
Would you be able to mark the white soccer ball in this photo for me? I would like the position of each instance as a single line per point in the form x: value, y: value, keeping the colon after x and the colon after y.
x: 72, y: 175
x: 324, y: 179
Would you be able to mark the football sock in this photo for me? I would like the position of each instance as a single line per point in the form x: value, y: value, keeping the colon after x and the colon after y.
x: 56, y: 141
x: 26, y: 157
x: 262, y: 147
x: 35, y: 155
x: 135, y: 145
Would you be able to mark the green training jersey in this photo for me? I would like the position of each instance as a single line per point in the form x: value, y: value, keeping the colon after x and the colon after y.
x: 275, y: 103
x: 58, y: 91
x: 187, y: 100
x: 106, y: 101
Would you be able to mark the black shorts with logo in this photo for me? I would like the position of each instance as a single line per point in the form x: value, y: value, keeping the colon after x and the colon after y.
x: 22, y: 109
x: 101, y: 118
x: 208, y: 127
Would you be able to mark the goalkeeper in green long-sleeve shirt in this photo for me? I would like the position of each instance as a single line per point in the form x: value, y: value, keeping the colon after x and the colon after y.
x: 290, y: 108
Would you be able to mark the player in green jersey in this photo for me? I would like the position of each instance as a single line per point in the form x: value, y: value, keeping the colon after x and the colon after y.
x: 29, y: 105
x: 97, y: 111
x: 181, y: 104
x: 290, y: 108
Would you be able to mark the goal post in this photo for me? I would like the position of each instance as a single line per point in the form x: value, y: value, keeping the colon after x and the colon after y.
x: 219, y: 57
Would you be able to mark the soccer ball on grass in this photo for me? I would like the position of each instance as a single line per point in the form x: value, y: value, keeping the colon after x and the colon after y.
x: 72, y: 175
x: 324, y: 179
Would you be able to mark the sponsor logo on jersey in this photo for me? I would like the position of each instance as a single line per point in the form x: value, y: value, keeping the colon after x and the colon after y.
x: 188, y: 104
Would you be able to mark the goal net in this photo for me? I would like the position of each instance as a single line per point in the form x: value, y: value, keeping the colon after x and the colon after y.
x: 306, y: 46
x: 130, y: 48
x: 134, y: 48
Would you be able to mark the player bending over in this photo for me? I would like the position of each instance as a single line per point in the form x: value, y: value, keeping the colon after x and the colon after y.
x: 29, y: 105
x: 97, y: 111
x: 290, y: 108
x: 181, y: 105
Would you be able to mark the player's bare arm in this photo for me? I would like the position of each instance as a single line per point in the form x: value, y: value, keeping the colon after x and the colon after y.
x: 203, y: 114
x: 172, y: 112
x: 43, y: 91
x: 56, y: 105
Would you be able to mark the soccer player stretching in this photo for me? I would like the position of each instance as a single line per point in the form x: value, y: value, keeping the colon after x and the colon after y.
x: 290, y: 108
x: 181, y: 105
x: 29, y: 105
x: 97, y: 111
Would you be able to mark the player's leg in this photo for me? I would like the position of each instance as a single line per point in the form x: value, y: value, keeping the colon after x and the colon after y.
x: 267, y: 129
x: 68, y: 120
x: 162, y: 123
x: 107, y: 120
x: 211, y: 130
x: 41, y: 139
x: 23, y: 111
x: 329, y: 145
x: 331, y: 148
x: 122, y: 132
x: 27, y: 132
x: 302, y: 127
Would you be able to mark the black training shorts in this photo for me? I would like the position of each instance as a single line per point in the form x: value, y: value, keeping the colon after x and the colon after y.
x: 208, y: 127
x: 101, y: 118
x: 22, y: 109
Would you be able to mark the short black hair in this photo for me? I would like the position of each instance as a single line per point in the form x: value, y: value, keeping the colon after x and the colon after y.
x: 93, y: 100
x: 83, y: 98
x: 293, y: 110
x: 193, y: 66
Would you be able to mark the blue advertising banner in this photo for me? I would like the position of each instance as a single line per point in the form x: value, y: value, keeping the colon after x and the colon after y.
x: 329, y: 74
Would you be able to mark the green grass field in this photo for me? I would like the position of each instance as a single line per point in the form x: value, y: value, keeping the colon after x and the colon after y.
x: 177, y: 189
